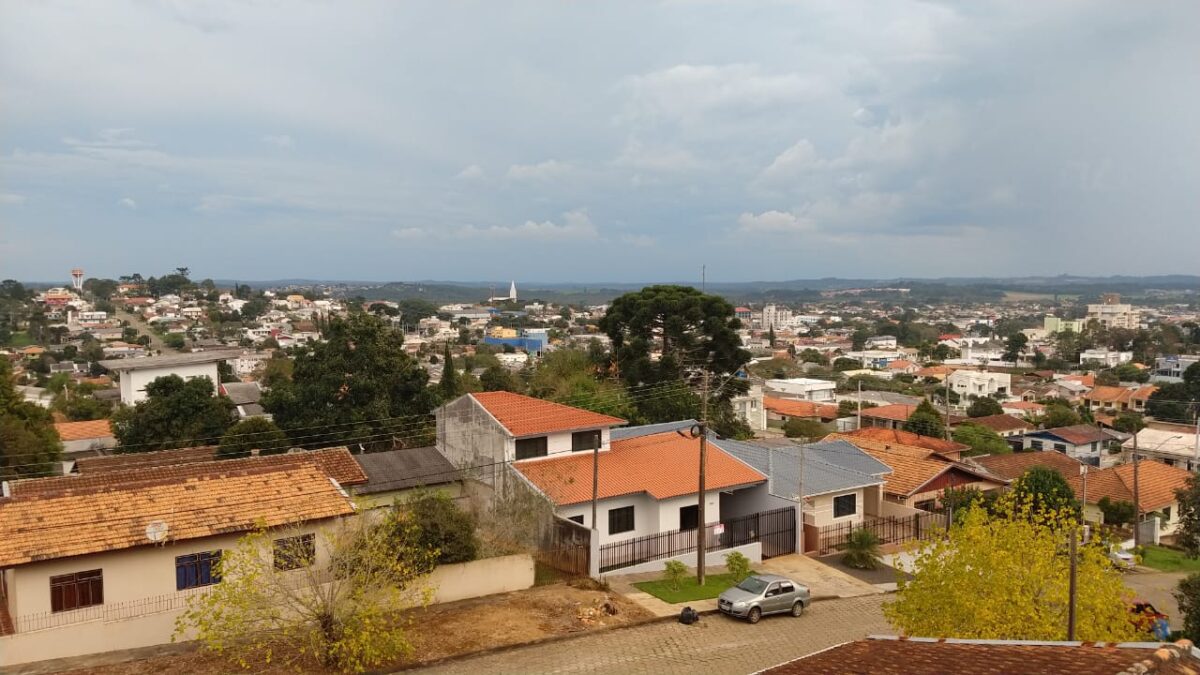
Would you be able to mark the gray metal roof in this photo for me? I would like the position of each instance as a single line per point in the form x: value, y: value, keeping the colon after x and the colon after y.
x: 848, y: 456
x: 169, y: 360
x: 649, y: 429
x: 782, y: 466
x: 242, y: 393
x: 404, y: 468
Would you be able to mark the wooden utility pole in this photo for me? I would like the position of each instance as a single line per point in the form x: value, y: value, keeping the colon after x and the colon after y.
x: 701, y: 529
x: 595, y: 482
x: 946, y: 425
x: 1072, y: 591
x: 859, y: 414
x: 1137, y: 498
x: 800, y: 500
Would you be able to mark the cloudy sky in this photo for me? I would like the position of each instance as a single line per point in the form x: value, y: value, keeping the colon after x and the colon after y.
x: 571, y: 141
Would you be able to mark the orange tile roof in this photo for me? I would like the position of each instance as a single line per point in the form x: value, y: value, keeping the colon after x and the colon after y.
x: 1013, y: 465
x: 896, y: 412
x: 900, y: 363
x: 337, y: 463
x: 662, y: 465
x: 793, y: 408
x: 912, y: 467
x: 46, y: 527
x: 1031, y: 406
x: 1157, y: 483
x: 1105, y: 394
x: 528, y: 416
x: 79, y: 431
x: 908, y: 438
x: 1085, y: 380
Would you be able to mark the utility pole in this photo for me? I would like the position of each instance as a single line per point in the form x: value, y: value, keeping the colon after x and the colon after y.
x: 947, y: 421
x: 1072, y: 591
x: 595, y: 483
x: 1083, y: 500
x: 859, y: 415
x: 800, y: 500
x: 1196, y: 460
x: 701, y: 529
x: 1137, y: 498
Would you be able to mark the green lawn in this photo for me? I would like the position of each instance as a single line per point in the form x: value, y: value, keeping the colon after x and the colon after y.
x: 714, y: 584
x: 20, y: 339
x: 1169, y: 560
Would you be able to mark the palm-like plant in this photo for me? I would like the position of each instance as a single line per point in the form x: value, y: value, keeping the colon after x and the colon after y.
x: 862, y: 550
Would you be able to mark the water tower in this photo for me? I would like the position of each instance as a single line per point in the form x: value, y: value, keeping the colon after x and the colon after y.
x: 77, y: 279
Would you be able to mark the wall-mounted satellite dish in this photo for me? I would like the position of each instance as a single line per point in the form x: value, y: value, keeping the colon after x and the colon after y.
x: 156, y: 531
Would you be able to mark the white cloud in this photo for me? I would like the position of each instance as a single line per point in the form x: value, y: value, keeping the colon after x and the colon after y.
x: 282, y: 141
x: 551, y: 168
x: 11, y: 198
x: 774, y: 221
x: 472, y: 172
x: 688, y: 92
x: 128, y: 203
x: 410, y: 233
x: 108, y: 138
x: 638, y: 240
x: 793, y: 162
x: 575, y: 225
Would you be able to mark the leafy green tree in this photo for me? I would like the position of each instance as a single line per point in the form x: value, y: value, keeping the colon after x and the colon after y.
x: 413, y: 310
x: 440, y: 526
x: 842, y: 363
x: 449, y: 386
x: 277, y: 371
x: 1187, y: 536
x: 1014, y: 347
x: 799, y: 427
x: 1059, y: 415
x: 571, y: 377
x: 771, y: 337
x: 983, y: 441
x: 849, y: 408
x: 175, y: 414
x: 1045, y: 490
x: 29, y: 444
x: 255, y: 433
x: 811, y: 355
x: 925, y: 420
x: 983, y: 407
x: 1116, y: 512
x: 498, y: 378
x: 1187, y: 595
x: 1129, y: 422
x: 357, y: 386
x: 174, y: 340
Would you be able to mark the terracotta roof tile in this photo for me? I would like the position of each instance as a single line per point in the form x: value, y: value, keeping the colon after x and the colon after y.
x: 793, y: 408
x: 1012, y: 466
x: 79, y: 431
x: 891, y: 656
x: 337, y: 463
x: 1077, y: 434
x: 1000, y: 423
x: 912, y: 467
x: 908, y: 438
x: 131, y: 460
x: 45, y: 527
x: 661, y: 465
x: 528, y: 416
x: 1157, y: 483
x: 899, y: 412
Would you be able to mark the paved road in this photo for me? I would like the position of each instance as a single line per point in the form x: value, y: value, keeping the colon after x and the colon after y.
x: 136, y: 321
x: 1157, y: 587
x: 715, y: 645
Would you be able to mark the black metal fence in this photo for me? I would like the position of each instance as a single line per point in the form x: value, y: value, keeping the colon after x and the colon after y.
x: 889, y: 530
x: 565, y: 546
x: 775, y: 529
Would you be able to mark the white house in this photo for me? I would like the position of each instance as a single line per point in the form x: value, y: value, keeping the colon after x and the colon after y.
x: 967, y: 382
x: 135, y: 374
x: 1106, y: 358
x: 1171, y: 368
x: 1081, y: 441
x: 802, y: 389
x: 749, y: 407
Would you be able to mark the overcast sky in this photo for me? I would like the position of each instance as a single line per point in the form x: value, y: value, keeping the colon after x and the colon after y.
x: 572, y: 141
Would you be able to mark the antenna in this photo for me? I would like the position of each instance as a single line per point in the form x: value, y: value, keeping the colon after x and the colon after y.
x: 156, y: 531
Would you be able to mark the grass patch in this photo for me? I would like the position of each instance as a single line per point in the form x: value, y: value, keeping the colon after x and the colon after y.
x: 714, y: 585
x: 20, y: 339
x: 1169, y: 560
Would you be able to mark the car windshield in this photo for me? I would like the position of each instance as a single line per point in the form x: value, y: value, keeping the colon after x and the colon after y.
x: 753, y: 585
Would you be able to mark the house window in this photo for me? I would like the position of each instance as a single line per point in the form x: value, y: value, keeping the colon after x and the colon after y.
x: 584, y: 440
x: 845, y: 505
x: 295, y: 552
x: 197, y: 569
x: 620, y: 520
x: 1036, y: 445
x: 1060, y: 447
x: 576, y: 519
x: 1166, y: 514
x: 73, y: 591
x: 531, y: 447
x: 689, y: 517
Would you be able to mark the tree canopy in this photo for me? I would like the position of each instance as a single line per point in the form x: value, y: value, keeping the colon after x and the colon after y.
x: 256, y: 433
x: 29, y: 444
x: 1045, y: 490
x: 359, y: 386
x: 1187, y: 536
x: 983, y: 441
x: 176, y: 413
x: 925, y: 420
x: 984, y: 406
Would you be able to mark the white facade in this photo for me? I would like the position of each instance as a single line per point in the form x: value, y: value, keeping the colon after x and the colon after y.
x: 980, y: 383
x: 1171, y: 368
x: 802, y: 389
x: 1114, y: 315
x: 1104, y: 357
x: 775, y: 316
x: 749, y: 407
x: 881, y: 342
x: 133, y: 382
x: 650, y: 515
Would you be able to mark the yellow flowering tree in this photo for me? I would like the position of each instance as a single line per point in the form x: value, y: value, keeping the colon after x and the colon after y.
x: 287, y: 596
x: 1004, y: 574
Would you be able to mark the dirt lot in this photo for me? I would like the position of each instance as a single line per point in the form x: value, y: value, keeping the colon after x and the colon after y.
x: 445, y: 630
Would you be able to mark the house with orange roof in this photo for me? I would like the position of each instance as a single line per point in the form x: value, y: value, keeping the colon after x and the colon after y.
x: 1157, y: 484
x: 1023, y: 408
x: 784, y: 409
x: 1084, y: 442
x: 894, y: 416
x: 951, y: 450
x: 103, y: 562
x: 85, y: 438
x: 1119, y: 398
x: 903, y: 367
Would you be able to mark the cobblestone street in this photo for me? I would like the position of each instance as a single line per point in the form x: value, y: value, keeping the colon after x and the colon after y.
x: 716, y: 645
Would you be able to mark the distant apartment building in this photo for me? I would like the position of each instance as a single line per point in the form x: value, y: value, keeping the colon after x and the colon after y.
x: 1171, y: 368
x: 980, y: 383
x: 774, y: 316
x: 1104, y: 357
x: 802, y: 389
x: 1053, y: 324
x: 1112, y: 313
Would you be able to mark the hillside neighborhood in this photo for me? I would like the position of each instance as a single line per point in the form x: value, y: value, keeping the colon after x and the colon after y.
x: 172, y: 424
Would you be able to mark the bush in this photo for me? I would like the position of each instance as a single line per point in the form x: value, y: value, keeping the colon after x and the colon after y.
x: 799, y: 427
x: 443, y: 527
x: 673, y: 572
x: 738, y: 565
x: 862, y: 550
x: 1187, y: 594
x: 255, y: 433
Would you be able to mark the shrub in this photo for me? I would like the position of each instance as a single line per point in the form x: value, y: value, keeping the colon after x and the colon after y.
x: 673, y: 572
x: 738, y: 565
x: 1187, y: 594
x: 443, y: 527
x: 862, y: 550
x: 255, y: 433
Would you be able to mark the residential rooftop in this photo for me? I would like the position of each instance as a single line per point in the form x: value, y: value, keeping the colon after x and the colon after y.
x: 527, y: 416
x: 170, y: 360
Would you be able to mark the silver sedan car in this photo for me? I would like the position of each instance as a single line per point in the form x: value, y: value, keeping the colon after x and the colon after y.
x: 761, y: 594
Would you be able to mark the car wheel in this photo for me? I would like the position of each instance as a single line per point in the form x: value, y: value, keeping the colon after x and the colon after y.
x: 798, y: 609
x: 754, y: 615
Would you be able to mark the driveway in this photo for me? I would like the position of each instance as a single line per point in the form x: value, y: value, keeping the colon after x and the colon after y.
x: 715, y: 645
